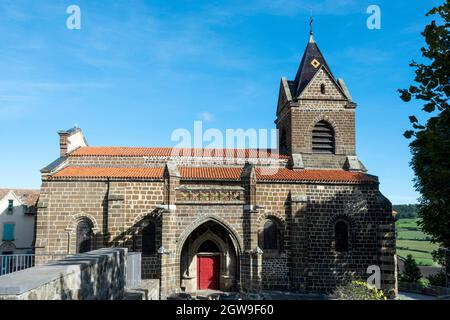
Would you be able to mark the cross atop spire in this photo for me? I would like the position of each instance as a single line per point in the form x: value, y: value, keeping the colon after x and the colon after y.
x: 311, y: 33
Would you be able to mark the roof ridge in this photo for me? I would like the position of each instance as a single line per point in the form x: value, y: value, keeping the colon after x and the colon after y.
x: 217, y: 173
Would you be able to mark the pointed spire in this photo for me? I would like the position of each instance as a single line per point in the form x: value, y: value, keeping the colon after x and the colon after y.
x: 312, y: 61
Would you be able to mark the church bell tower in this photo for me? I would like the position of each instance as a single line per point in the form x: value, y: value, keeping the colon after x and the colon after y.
x: 316, y: 117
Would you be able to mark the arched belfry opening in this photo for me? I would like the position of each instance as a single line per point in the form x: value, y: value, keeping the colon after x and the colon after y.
x: 323, y: 138
x: 209, y: 259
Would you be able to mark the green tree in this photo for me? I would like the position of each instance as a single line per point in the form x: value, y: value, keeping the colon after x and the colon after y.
x: 431, y: 145
x: 412, y: 272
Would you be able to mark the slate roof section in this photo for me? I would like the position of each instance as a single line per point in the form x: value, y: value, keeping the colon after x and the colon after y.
x: 167, y: 152
x: 216, y: 174
x: 306, y: 71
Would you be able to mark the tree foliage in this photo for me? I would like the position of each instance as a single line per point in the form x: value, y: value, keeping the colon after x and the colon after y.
x: 406, y: 211
x: 412, y: 272
x: 431, y: 145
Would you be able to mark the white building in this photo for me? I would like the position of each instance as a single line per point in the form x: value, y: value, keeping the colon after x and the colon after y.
x: 17, y: 220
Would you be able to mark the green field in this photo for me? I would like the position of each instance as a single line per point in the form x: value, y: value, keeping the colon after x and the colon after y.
x: 410, y: 240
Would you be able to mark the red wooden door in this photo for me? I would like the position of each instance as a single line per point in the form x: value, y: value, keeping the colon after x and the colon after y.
x: 208, y: 268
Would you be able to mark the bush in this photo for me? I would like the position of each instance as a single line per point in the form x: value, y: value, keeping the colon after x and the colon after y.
x: 358, y: 290
x: 424, y: 282
x: 438, y: 279
x: 412, y: 272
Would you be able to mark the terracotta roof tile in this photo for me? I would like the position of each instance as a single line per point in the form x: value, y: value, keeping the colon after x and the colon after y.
x: 109, y: 172
x: 313, y: 175
x: 213, y: 173
x: 167, y: 152
x: 216, y: 173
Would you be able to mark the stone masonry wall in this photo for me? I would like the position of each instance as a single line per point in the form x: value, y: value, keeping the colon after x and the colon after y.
x: 116, y: 210
x: 313, y: 263
x: 275, y: 272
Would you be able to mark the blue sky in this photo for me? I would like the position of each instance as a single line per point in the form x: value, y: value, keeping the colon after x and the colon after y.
x: 137, y: 70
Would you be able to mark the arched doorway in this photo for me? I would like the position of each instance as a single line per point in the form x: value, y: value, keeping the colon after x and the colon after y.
x: 84, y: 236
x: 208, y: 266
x: 209, y: 259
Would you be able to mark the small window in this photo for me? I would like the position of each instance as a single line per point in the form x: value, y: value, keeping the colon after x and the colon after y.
x: 149, y: 239
x: 10, y: 206
x: 283, y: 142
x: 270, y: 236
x: 323, y: 138
x: 322, y: 88
x: 8, y: 232
x: 341, y: 236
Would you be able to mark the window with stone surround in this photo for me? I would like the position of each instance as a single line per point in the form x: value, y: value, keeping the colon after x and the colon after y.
x: 322, y: 88
x: 149, y: 238
x: 323, y: 141
x: 341, y: 235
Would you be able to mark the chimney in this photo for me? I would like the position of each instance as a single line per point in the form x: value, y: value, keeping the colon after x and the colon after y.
x: 63, y: 143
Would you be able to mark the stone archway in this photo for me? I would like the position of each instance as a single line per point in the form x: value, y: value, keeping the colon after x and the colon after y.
x: 225, y: 260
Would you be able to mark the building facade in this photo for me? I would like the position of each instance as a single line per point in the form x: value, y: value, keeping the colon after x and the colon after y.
x: 17, y: 221
x: 305, y: 218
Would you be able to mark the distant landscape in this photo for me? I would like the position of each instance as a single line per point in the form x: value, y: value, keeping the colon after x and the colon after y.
x: 410, y: 239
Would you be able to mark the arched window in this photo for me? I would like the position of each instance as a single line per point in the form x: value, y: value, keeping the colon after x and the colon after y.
x: 341, y: 236
x: 283, y: 142
x: 323, y: 138
x: 270, y: 241
x: 84, y: 236
x: 322, y: 88
x: 149, y: 238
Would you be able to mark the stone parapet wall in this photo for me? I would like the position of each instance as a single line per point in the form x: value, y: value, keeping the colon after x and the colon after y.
x: 97, y: 275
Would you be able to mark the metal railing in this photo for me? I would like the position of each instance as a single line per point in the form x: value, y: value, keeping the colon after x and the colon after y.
x: 16, y: 262
x: 133, y: 269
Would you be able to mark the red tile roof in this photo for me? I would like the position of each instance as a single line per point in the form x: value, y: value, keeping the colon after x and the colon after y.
x: 167, y: 152
x: 110, y: 172
x: 216, y: 173
x: 213, y: 173
x: 313, y: 175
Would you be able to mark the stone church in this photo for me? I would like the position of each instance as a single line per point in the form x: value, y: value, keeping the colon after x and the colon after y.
x: 305, y: 218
